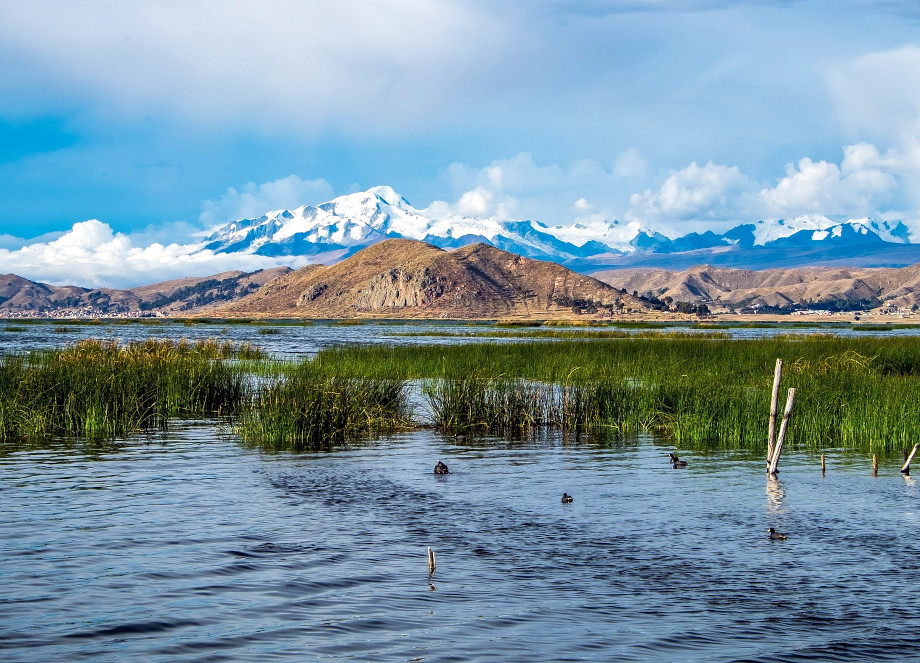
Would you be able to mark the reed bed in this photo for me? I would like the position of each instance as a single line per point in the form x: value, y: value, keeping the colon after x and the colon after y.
x: 311, y: 409
x: 98, y: 389
x: 859, y: 393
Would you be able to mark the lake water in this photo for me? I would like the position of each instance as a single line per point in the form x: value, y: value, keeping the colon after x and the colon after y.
x: 188, y: 546
x: 286, y: 340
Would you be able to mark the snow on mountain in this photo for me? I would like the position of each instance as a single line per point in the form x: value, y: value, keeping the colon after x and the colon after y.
x: 348, y: 223
x: 822, y: 228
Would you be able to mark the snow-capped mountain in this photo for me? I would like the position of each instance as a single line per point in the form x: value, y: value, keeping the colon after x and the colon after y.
x: 349, y: 223
x: 341, y: 227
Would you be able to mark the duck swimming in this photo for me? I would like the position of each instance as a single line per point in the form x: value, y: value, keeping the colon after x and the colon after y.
x: 677, y: 462
x: 567, y: 499
x: 776, y: 536
x: 441, y: 468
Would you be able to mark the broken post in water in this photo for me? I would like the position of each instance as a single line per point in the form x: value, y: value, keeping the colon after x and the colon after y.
x: 431, y: 563
x: 781, y: 438
x: 906, y: 468
x: 777, y: 376
x: 822, y: 464
x: 874, y: 465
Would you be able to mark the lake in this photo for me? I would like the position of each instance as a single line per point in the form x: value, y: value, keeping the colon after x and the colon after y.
x: 189, y: 546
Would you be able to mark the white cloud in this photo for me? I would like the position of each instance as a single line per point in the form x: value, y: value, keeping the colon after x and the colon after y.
x: 91, y: 255
x: 253, y: 200
x: 304, y: 65
x: 694, y: 193
x: 860, y: 185
x: 477, y: 202
x: 519, y: 187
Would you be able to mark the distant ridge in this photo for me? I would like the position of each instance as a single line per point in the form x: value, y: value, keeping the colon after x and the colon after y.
x: 836, y: 288
x: 22, y: 297
x: 401, y: 278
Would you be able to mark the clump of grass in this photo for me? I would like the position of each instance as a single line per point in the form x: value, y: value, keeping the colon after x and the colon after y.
x: 98, y: 389
x: 519, y: 323
x: 309, y: 409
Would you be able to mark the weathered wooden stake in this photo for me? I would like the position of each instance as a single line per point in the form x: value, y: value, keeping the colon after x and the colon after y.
x: 790, y: 397
x: 822, y: 464
x: 777, y: 376
x: 431, y: 564
x: 874, y: 465
x: 906, y: 468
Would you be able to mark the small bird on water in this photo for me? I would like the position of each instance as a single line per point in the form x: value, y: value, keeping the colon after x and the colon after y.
x: 441, y: 468
x: 677, y: 462
x: 567, y: 499
x: 776, y: 536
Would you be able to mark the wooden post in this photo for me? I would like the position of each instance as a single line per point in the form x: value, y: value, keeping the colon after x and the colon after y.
x: 906, y: 468
x: 874, y: 465
x: 777, y: 376
x: 431, y: 563
x: 822, y: 464
x: 790, y: 397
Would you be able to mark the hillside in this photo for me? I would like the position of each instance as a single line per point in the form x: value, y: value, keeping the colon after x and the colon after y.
x: 22, y: 297
x: 401, y: 278
x: 837, y: 288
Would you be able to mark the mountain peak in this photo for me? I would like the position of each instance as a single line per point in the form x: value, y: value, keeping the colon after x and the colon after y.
x: 344, y: 225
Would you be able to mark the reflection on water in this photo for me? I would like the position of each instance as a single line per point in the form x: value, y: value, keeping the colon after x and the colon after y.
x: 192, y: 547
x: 775, y: 494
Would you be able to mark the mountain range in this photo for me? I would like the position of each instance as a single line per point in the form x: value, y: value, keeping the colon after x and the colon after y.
x: 400, y: 278
x: 777, y: 290
x: 337, y: 229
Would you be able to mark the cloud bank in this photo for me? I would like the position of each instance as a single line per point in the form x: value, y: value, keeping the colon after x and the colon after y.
x: 91, y: 255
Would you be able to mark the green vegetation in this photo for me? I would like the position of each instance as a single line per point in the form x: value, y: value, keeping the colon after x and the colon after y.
x: 698, y: 390
x: 98, y: 389
x: 310, y: 409
x: 861, y: 393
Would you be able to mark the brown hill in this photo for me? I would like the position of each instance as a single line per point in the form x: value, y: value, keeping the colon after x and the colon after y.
x: 19, y: 296
x: 816, y: 287
x: 402, y: 278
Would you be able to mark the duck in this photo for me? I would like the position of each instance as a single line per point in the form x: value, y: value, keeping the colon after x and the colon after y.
x: 677, y: 462
x: 567, y: 499
x: 441, y: 468
x: 460, y: 437
x: 776, y: 536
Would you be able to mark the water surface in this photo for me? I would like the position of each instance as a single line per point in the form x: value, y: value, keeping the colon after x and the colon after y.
x: 189, y: 546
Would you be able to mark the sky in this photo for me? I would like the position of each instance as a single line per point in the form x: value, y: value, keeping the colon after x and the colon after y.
x: 127, y: 129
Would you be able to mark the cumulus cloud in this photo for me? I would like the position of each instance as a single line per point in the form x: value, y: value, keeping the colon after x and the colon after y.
x: 90, y: 254
x: 711, y: 193
x: 519, y: 187
x: 253, y: 200
x: 861, y: 183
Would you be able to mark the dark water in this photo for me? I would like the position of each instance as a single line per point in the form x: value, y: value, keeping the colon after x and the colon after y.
x: 193, y: 548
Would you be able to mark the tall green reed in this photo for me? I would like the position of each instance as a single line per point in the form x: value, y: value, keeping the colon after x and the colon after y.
x: 98, y: 389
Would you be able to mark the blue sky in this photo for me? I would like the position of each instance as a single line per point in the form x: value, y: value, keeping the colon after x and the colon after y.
x: 163, y: 118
